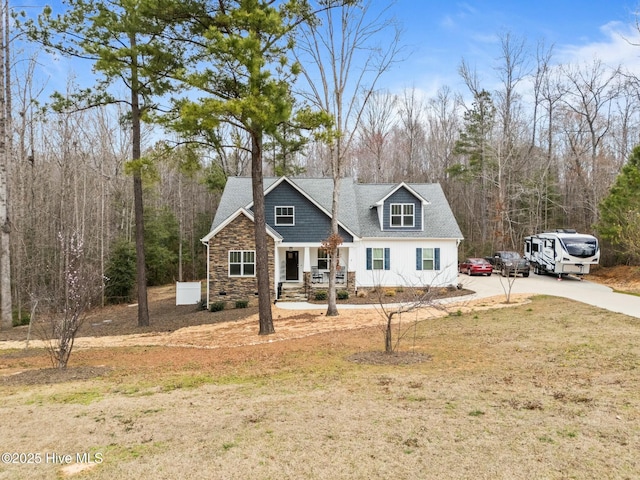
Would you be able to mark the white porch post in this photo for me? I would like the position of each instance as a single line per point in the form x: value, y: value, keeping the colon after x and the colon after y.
x: 306, y: 263
x: 351, y: 259
x: 276, y: 268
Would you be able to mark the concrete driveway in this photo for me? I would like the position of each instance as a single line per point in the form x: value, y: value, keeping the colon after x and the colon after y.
x: 569, y: 287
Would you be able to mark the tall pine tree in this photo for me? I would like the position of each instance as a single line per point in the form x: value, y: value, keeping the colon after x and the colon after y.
x: 242, y: 74
x: 126, y: 42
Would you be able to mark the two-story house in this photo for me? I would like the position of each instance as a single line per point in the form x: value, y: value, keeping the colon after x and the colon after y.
x: 393, y: 235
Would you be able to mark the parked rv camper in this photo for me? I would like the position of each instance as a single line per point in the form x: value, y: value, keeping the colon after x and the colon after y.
x: 562, y: 252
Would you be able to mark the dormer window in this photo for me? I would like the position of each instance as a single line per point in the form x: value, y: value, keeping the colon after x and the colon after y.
x: 285, y: 216
x: 402, y: 215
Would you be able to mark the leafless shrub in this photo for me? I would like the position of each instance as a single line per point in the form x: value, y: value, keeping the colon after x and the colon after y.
x: 507, y: 285
x: 66, y: 307
x: 414, y: 297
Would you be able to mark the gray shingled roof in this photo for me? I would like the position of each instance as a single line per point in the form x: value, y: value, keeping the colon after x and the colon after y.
x: 439, y: 221
x: 355, y: 206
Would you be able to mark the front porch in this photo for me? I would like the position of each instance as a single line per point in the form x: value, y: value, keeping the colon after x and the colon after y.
x: 307, y: 289
x: 304, y: 270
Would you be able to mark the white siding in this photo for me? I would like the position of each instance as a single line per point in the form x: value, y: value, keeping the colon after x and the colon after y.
x: 403, y: 263
x: 308, y: 257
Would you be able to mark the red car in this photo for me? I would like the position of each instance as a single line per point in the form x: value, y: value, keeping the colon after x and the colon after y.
x: 475, y: 266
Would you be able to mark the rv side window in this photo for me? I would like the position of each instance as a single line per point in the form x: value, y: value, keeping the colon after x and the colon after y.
x: 534, y: 247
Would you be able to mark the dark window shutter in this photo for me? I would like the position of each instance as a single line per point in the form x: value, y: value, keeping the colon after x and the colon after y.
x: 369, y: 258
x: 387, y: 255
x: 436, y: 259
x: 418, y: 259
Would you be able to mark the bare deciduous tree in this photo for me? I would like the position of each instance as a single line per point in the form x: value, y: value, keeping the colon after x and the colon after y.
x: 415, y: 297
x: 587, y: 96
x: 5, y: 152
x: 412, y: 159
x: 442, y: 126
x: 374, y: 135
x: 80, y: 287
x: 340, y: 82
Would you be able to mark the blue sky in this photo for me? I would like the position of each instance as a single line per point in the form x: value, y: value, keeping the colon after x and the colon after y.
x: 438, y: 34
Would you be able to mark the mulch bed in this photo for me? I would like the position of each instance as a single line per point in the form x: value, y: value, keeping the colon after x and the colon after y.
x: 408, y: 295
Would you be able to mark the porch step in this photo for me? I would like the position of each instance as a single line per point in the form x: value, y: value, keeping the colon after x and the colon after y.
x: 293, y: 295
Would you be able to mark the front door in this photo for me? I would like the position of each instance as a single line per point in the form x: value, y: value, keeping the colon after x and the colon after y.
x: 292, y: 265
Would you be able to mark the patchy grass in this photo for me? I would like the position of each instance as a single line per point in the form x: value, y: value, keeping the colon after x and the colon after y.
x: 193, y: 380
x: 549, y: 389
x: 635, y: 294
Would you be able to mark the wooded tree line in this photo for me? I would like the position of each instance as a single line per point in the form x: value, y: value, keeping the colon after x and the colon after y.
x: 539, y: 151
x: 70, y: 176
x: 536, y: 146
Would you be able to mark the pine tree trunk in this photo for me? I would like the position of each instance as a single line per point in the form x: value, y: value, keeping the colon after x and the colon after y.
x: 141, y: 273
x: 260, y: 225
x: 136, y: 153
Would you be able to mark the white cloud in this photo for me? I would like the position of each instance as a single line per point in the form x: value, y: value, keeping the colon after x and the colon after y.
x: 620, y: 47
x: 466, y: 9
x: 489, y: 38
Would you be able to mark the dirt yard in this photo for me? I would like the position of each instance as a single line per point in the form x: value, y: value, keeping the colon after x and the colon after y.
x: 543, y: 388
x: 186, y: 326
x: 623, y: 278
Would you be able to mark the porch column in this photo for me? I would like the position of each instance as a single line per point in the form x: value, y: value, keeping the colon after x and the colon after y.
x: 276, y: 269
x: 351, y: 259
x: 306, y: 263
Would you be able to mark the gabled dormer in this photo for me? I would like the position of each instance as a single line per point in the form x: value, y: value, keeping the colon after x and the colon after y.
x: 401, y: 210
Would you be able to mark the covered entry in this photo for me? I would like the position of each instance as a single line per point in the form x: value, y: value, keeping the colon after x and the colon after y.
x: 292, y: 265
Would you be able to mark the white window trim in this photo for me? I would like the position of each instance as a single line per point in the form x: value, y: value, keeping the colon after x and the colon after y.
x: 374, y: 258
x: 327, y: 258
x: 402, y: 215
x: 432, y: 259
x: 292, y: 216
x: 242, y: 263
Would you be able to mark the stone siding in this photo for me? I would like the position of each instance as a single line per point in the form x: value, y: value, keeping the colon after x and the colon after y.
x: 238, y: 235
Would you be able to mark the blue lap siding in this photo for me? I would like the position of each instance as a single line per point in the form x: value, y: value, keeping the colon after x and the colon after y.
x: 311, y: 223
x: 402, y: 195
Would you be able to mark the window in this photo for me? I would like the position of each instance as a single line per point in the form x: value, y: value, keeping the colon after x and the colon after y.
x: 285, y: 216
x: 378, y: 259
x: 427, y: 259
x: 324, y: 259
x: 581, y: 247
x: 402, y: 214
x: 242, y: 263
